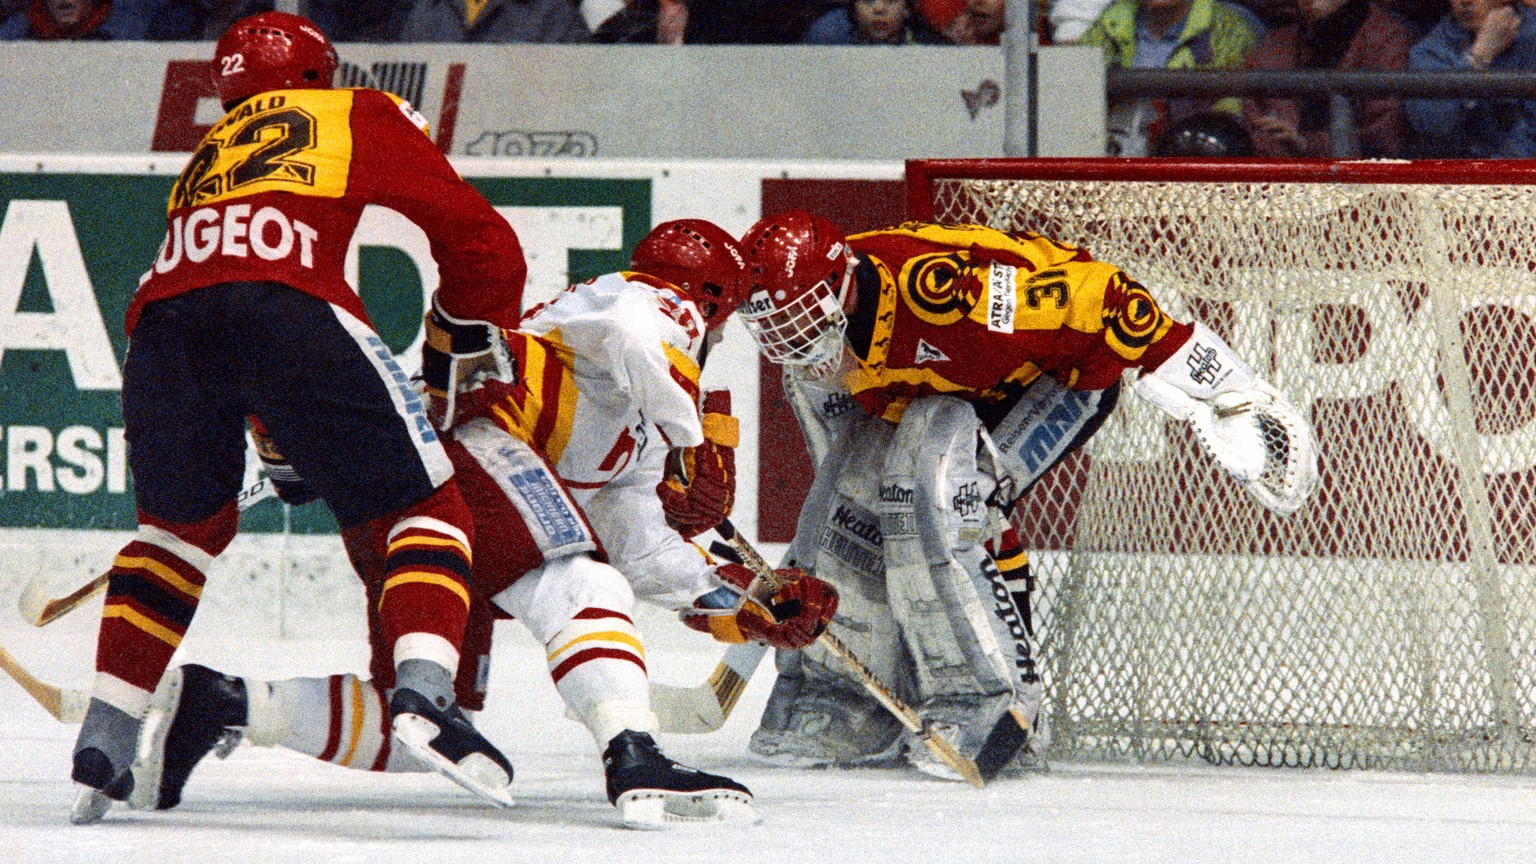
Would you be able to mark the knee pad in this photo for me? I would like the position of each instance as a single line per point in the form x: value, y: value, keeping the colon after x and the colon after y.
x: 548, y: 597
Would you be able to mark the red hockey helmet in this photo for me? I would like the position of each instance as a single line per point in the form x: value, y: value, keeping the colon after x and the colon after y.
x: 799, y: 269
x: 271, y: 51
x: 700, y: 258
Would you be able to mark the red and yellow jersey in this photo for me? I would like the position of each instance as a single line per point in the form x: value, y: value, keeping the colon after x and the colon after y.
x: 275, y: 190
x: 966, y: 310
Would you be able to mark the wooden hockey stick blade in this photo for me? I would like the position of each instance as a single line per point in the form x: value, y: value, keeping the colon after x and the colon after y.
x: 893, y: 703
x: 1007, y: 738
x: 66, y: 706
x: 905, y: 713
x: 38, y: 609
x: 705, y: 708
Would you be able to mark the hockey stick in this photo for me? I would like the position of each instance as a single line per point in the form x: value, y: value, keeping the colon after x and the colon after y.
x: 38, y: 609
x: 705, y: 708
x: 66, y: 706
x: 877, y: 688
x: 702, y: 709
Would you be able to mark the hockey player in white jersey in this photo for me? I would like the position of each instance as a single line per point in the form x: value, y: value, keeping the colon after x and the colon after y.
x: 562, y: 450
x: 937, y: 371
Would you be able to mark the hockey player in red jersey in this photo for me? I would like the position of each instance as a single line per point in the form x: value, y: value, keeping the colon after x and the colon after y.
x: 245, y: 312
x: 980, y: 359
x: 565, y: 468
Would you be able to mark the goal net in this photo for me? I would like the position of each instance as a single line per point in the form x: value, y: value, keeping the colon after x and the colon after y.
x: 1391, y: 622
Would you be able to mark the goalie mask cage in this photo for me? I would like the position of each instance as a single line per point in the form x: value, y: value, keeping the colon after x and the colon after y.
x: 1389, y: 623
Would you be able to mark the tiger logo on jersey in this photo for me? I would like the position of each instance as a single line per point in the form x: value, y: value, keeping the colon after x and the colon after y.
x: 1131, y: 316
x: 941, y: 288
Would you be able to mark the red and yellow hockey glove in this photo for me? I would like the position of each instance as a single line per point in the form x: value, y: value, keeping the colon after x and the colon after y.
x: 700, y: 487
x: 748, y: 608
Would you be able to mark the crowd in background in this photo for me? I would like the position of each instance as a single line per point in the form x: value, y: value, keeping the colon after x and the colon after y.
x: 1430, y: 35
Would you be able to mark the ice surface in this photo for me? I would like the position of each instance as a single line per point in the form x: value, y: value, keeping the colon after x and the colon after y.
x: 268, y: 805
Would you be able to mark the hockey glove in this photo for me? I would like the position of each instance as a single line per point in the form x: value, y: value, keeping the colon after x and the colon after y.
x: 457, y: 356
x: 789, y: 617
x: 700, y: 487
x: 290, y: 487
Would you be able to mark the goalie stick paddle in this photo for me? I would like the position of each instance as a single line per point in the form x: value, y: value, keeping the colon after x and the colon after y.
x: 884, y: 695
x: 38, y: 609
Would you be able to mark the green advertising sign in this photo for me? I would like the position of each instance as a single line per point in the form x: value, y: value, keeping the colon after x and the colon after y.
x: 72, y: 248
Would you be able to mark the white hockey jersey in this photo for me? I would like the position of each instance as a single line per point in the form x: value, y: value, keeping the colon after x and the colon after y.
x: 608, y: 384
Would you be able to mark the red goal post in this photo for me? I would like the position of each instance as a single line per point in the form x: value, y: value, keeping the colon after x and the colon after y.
x: 1392, y: 621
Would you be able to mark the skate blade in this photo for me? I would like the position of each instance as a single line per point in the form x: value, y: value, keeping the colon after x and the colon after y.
x: 477, y: 773
x: 655, y: 810
x: 90, y: 806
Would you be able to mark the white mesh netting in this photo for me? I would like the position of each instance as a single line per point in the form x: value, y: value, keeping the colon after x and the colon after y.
x: 1391, y: 622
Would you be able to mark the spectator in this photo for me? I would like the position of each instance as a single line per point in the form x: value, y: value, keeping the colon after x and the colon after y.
x: 872, y: 22
x: 1167, y: 34
x: 58, y: 19
x: 130, y: 18
x: 1207, y: 134
x: 358, y: 20
x: 1070, y: 19
x: 1478, y: 34
x: 710, y: 22
x: 495, y: 21
x: 199, y: 20
x: 1331, y: 34
x: 938, y: 13
x: 979, y: 23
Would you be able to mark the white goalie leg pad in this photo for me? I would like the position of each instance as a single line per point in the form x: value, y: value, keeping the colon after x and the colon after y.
x: 817, y: 713
x: 826, y: 411
x: 973, y: 656
x: 1247, y: 426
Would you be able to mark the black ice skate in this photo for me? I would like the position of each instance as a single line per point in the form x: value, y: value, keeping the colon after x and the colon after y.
x: 445, y: 741
x: 204, y: 711
x: 653, y: 792
x: 102, y: 760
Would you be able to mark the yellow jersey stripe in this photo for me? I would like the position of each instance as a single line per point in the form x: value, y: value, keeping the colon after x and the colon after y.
x: 416, y: 576
x: 137, y: 619
x: 161, y: 571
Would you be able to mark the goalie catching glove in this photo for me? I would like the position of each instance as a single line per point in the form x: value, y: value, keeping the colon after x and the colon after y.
x: 456, y: 357
x: 700, y: 487
x: 1243, y: 422
x: 788, y: 615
